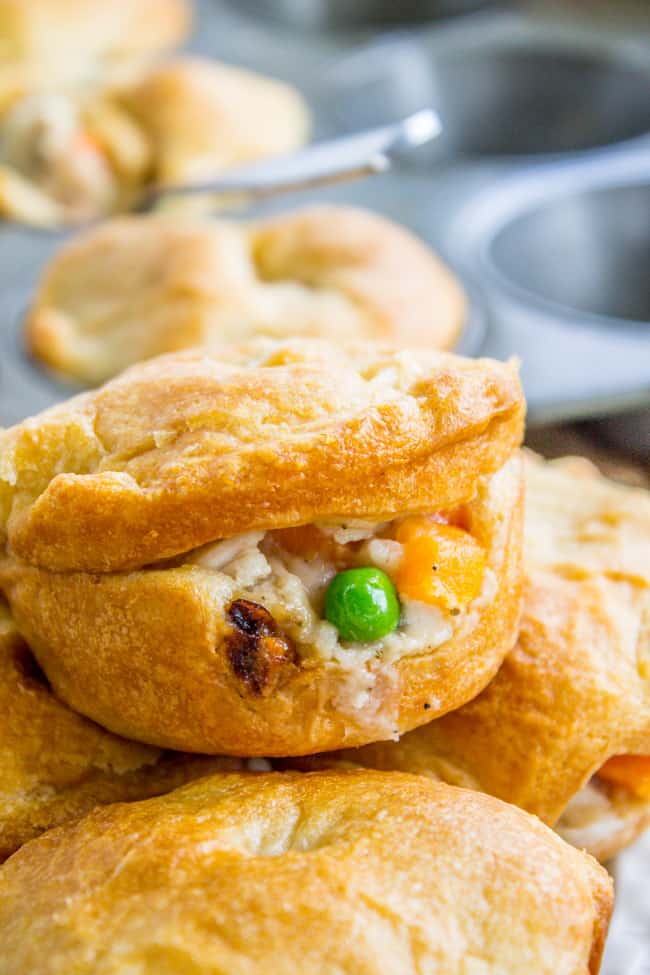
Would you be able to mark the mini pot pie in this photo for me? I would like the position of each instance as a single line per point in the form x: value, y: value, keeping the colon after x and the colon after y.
x: 72, y: 152
x: 137, y: 287
x: 56, y: 765
x: 326, y: 873
x: 277, y: 551
x: 564, y: 728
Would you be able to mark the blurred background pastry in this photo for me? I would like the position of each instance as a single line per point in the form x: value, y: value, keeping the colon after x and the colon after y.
x: 137, y: 287
x: 70, y: 153
x: 59, y: 42
x: 312, y: 873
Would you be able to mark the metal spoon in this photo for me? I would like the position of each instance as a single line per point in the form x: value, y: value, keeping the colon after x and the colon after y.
x: 322, y: 164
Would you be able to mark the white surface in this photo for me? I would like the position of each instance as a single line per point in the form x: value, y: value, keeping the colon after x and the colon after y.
x: 628, y: 946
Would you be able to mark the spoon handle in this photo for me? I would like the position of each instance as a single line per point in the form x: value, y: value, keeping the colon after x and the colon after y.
x: 322, y: 164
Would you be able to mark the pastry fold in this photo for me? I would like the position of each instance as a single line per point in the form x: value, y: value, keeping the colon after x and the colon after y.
x: 138, y: 287
x: 56, y: 765
x: 329, y: 872
x: 575, y: 690
x: 155, y: 541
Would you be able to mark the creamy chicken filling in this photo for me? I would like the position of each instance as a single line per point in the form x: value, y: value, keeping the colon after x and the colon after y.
x: 288, y: 573
x: 44, y: 138
x: 595, y: 817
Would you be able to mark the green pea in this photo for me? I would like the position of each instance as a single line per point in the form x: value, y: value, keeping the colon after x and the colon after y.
x: 362, y: 604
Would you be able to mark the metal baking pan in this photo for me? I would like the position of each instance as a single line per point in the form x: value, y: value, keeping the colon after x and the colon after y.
x: 341, y: 14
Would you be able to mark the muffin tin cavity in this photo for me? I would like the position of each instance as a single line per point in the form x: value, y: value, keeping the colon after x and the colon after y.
x: 516, y: 101
x: 587, y: 251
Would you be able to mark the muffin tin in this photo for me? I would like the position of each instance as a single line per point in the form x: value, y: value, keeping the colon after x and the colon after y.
x: 536, y: 192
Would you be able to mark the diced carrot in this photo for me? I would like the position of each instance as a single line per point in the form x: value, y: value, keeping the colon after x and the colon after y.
x: 442, y: 564
x: 630, y: 771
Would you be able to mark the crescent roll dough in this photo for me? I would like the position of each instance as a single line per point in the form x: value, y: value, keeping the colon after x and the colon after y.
x: 575, y: 690
x: 331, y: 872
x: 71, y: 150
x: 56, y: 765
x: 138, y: 287
x: 170, y: 537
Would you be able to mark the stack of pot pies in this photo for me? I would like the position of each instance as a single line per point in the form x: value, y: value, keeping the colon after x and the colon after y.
x: 292, y: 555
x: 277, y: 642
x: 229, y: 553
x: 271, y: 549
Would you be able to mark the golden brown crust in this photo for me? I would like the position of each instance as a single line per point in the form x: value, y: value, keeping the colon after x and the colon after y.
x: 143, y: 286
x: 203, y: 116
x: 146, y: 654
x: 575, y: 690
x: 273, y: 873
x: 189, y: 448
x: 56, y: 765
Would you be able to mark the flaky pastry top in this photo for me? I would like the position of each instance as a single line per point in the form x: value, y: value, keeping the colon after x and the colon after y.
x: 329, y: 872
x: 193, y: 447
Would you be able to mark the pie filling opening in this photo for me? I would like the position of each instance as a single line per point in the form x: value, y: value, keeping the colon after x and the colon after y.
x: 79, y: 153
x: 44, y: 138
x: 433, y: 564
x: 628, y: 772
x: 609, y: 803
